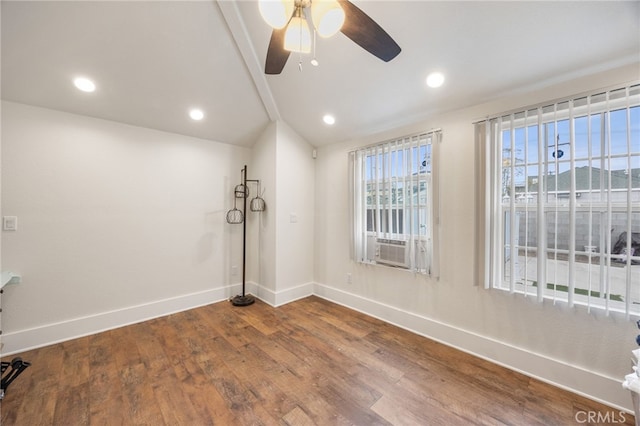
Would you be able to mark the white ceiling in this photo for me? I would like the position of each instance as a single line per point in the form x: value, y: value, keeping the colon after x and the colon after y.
x: 154, y: 60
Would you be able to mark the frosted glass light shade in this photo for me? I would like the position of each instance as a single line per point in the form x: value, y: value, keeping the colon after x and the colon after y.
x: 276, y: 13
x: 298, y: 37
x: 327, y: 16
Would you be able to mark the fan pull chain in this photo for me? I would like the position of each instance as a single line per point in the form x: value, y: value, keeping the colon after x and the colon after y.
x: 300, y: 50
x: 314, y: 61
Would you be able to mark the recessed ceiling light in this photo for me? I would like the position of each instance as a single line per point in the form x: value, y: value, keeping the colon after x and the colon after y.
x: 84, y: 84
x: 329, y: 119
x: 196, y: 114
x: 435, y: 79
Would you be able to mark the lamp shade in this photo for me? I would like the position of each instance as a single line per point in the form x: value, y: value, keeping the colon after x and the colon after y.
x: 298, y: 37
x: 276, y: 13
x: 327, y: 16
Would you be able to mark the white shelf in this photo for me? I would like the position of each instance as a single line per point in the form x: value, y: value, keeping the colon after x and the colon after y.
x: 9, y: 278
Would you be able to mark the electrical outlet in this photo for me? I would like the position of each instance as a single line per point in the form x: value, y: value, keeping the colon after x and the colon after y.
x: 9, y: 223
x: 349, y: 279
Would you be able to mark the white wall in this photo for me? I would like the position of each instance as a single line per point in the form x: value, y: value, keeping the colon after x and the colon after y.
x: 588, y: 353
x: 295, y: 174
x: 261, y: 243
x: 282, y: 248
x: 115, y: 223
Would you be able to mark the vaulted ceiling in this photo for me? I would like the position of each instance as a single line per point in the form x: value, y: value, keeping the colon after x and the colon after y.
x: 154, y: 60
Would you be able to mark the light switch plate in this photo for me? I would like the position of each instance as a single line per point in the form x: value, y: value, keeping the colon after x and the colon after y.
x: 10, y: 223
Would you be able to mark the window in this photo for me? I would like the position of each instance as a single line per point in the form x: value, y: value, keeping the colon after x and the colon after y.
x: 393, y: 192
x: 562, y: 212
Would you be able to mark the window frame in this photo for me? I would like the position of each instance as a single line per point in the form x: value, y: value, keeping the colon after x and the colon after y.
x: 393, y: 198
x: 492, y: 243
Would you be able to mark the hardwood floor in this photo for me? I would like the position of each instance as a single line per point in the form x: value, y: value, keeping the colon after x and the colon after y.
x: 305, y: 363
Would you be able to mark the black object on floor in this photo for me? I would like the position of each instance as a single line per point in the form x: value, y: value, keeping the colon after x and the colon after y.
x: 17, y: 366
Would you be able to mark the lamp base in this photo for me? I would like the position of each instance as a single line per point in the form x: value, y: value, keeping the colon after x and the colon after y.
x: 243, y: 300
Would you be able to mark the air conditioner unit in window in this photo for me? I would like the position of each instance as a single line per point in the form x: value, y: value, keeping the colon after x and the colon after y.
x: 392, y: 252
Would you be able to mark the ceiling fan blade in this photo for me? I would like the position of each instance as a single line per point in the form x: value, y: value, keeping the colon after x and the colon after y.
x: 276, y: 54
x: 366, y: 33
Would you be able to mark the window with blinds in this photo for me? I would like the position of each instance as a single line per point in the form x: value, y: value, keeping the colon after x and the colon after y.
x: 562, y: 200
x: 392, y: 187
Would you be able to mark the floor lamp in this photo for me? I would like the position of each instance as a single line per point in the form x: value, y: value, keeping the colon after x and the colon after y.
x: 237, y: 216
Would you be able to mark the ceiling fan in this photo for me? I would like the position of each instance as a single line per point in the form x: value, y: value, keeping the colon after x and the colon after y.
x: 293, y: 20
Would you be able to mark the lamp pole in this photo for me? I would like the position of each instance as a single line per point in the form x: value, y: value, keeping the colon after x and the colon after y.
x: 244, y: 299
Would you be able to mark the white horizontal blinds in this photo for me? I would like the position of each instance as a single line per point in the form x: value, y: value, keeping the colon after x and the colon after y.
x: 564, y: 202
x: 395, y: 200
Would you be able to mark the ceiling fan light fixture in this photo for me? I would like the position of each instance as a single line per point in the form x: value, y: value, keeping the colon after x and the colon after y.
x: 327, y: 17
x: 276, y: 13
x: 298, y: 37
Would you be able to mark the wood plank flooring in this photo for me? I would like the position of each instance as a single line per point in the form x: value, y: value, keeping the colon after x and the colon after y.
x: 310, y: 362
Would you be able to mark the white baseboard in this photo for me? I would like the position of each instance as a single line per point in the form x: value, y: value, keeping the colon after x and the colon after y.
x: 607, y: 390
x: 282, y: 297
x: 49, y: 334
x: 24, y: 340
